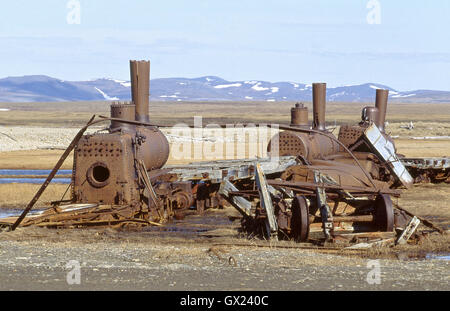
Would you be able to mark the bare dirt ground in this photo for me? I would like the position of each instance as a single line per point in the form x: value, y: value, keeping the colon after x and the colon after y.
x: 206, y: 253
x: 198, y: 255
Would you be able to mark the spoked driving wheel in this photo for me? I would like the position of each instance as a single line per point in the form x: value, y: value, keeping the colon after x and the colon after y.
x: 300, y: 219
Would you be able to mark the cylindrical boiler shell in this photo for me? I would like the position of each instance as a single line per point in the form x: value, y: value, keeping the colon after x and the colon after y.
x: 154, y: 148
x: 310, y: 146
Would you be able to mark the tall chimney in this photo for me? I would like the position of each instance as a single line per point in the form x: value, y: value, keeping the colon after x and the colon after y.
x: 381, y: 103
x: 140, y: 88
x: 319, y: 103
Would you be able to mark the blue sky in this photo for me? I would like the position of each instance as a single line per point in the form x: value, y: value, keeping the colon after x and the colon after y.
x: 282, y: 40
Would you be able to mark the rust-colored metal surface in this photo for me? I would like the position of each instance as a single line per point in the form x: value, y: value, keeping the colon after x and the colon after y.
x: 140, y: 88
x: 350, y: 134
x: 326, y: 185
x: 319, y: 104
x: 381, y: 104
x: 123, y: 110
x: 299, y: 115
x: 340, y: 195
x: 104, y: 171
x: 369, y: 114
x: 310, y: 146
x: 110, y: 168
x: 152, y: 147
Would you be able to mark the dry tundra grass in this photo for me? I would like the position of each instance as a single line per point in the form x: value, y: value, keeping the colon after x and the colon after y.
x: 18, y: 195
x: 68, y: 114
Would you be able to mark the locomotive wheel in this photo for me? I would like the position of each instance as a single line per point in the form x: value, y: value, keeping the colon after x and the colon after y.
x: 384, y: 213
x: 300, y: 219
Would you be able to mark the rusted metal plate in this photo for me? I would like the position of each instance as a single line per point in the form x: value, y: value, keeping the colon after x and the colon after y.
x: 104, y: 170
x: 386, y: 150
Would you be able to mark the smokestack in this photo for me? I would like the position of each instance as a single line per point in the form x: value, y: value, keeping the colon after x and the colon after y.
x: 319, y: 103
x: 140, y: 88
x: 381, y: 103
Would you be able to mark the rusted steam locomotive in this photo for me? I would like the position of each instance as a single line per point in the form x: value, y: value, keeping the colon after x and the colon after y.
x: 317, y: 182
x: 341, y: 184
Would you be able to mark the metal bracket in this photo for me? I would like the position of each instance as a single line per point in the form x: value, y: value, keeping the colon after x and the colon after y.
x: 325, y: 210
x: 142, y: 171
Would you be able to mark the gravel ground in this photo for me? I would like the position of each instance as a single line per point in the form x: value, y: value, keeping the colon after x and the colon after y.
x: 154, y: 266
x: 14, y: 138
x: 28, y: 138
x: 36, y: 259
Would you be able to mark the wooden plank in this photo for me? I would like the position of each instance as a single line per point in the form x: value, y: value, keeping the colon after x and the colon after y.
x: 409, y: 231
x: 240, y: 203
x: 266, y: 203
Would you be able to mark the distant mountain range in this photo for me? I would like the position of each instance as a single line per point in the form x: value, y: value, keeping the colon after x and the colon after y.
x: 210, y: 88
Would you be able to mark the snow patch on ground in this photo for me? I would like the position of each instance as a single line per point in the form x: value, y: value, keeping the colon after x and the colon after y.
x: 105, y: 96
x: 122, y: 82
x: 403, y: 96
x: 257, y: 87
x: 275, y: 89
x: 337, y: 94
x: 224, y: 86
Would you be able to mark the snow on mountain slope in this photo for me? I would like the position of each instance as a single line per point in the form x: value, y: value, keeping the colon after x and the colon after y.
x: 209, y: 88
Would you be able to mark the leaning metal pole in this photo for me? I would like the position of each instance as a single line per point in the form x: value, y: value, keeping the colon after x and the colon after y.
x: 52, y: 174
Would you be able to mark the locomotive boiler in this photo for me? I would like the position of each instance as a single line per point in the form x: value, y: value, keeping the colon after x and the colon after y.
x: 104, y: 163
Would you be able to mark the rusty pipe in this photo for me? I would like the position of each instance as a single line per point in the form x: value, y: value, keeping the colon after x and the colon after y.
x: 355, y: 218
x: 319, y: 104
x: 140, y: 88
x: 381, y: 104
